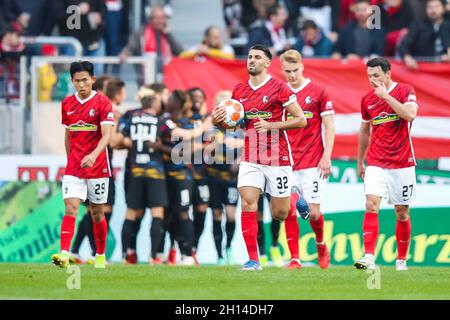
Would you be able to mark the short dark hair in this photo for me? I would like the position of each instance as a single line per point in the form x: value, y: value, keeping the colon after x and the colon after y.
x: 157, y: 87
x: 263, y: 49
x: 272, y: 11
x: 380, y: 62
x: 80, y: 66
x: 309, y: 24
x: 99, y: 84
x: 441, y: 1
x: 113, y: 87
x: 147, y: 101
x: 192, y: 90
x: 363, y: 1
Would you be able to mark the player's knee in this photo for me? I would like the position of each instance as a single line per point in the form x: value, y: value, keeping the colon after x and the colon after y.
x: 97, y: 213
x: 314, y: 212
x: 249, y: 207
x: 371, y: 206
x: 71, y: 210
x: 280, y: 214
x: 402, y: 213
x: 217, y: 214
x: 184, y: 215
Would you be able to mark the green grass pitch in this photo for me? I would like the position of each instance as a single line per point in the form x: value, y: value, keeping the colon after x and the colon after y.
x: 44, y: 281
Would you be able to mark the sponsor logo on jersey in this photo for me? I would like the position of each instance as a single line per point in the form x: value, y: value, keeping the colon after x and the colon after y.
x: 265, y: 99
x: 82, y: 126
x: 308, y: 115
x: 92, y: 112
x: 385, y: 117
x: 255, y: 113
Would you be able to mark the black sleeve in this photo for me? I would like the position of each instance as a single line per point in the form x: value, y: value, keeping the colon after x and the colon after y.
x: 409, y: 40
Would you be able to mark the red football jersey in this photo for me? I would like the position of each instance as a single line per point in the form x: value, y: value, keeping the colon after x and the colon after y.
x: 267, y: 101
x: 83, y: 119
x: 307, y: 143
x: 390, y: 141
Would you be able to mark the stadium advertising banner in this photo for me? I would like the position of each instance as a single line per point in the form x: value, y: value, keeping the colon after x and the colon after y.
x: 31, y: 209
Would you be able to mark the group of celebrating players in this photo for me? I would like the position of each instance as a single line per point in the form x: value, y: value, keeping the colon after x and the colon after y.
x: 180, y: 157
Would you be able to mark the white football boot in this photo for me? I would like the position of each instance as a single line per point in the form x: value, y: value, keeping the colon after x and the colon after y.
x: 400, y: 265
x: 366, y: 262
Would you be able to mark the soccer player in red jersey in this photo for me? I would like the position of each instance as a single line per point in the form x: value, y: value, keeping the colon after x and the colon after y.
x: 312, y: 156
x: 88, y: 119
x: 266, y: 163
x: 385, y: 144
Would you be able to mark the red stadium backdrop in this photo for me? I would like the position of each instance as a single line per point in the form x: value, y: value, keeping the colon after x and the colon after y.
x: 346, y: 84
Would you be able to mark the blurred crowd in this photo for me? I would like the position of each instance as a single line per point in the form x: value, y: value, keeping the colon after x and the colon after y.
x: 340, y: 29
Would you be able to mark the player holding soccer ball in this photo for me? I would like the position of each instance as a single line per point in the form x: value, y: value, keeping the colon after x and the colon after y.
x: 88, y: 119
x: 266, y: 164
x: 312, y: 156
x: 388, y: 110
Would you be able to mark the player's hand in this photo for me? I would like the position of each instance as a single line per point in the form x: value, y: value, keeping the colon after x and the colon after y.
x: 380, y: 89
x: 324, y: 167
x: 218, y: 115
x: 262, y: 125
x: 410, y: 62
x: 88, y: 161
x: 361, y: 168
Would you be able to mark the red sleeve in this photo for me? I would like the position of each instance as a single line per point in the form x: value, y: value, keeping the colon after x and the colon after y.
x: 326, y: 105
x: 64, y: 114
x: 365, y: 116
x: 106, y: 113
x: 409, y: 96
x: 286, y: 95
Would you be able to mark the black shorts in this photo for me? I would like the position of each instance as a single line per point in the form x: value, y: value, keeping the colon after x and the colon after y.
x: 111, y: 192
x: 144, y: 192
x: 201, y: 192
x: 223, y: 193
x: 180, y: 193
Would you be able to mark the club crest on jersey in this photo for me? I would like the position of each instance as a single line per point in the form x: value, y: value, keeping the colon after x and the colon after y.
x: 385, y: 117
x: 308, y: 100
x: 255, y: 113
x: 82, y: 126
x: 329, y: 105
x: 92, y: 112
x: 265, y: 99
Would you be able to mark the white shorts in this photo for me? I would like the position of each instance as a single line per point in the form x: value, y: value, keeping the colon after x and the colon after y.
x: 276, y: 181
x: 310, y: 183
x: 399, y: 185
x: 96, y: 190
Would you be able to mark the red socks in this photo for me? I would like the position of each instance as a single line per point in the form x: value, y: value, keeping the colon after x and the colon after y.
x: 403, y: 234
x: 292, y: 230
x: 100, y: 234
x: 249, y: 225
x: 370, y: 232
x: 317, y: 226
x: 66, y: 232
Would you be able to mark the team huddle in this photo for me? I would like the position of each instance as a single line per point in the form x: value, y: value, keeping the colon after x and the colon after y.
x: 283, y: 152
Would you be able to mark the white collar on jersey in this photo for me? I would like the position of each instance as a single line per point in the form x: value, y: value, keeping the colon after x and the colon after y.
x: 307, y: 81
x: 93, y: 93
x: 392, y: 87
x: 261, y: 84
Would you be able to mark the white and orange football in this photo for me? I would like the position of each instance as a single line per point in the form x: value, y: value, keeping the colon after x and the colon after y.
x: 235, y: 113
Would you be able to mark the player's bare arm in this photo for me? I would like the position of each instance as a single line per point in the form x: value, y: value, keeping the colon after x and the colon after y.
x: 325, y: 162
x: 363, y: 143
x: 89, y: 160
x: 298, y: 120
x: 406, y: 111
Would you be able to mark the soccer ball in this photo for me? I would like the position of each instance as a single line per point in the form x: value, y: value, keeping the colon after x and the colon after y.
x: 235, y: 113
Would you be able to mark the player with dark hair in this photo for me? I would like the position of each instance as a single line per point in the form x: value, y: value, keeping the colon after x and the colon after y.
x: 266, y: 164
x: 385, y: 144
x: 88, y: 119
